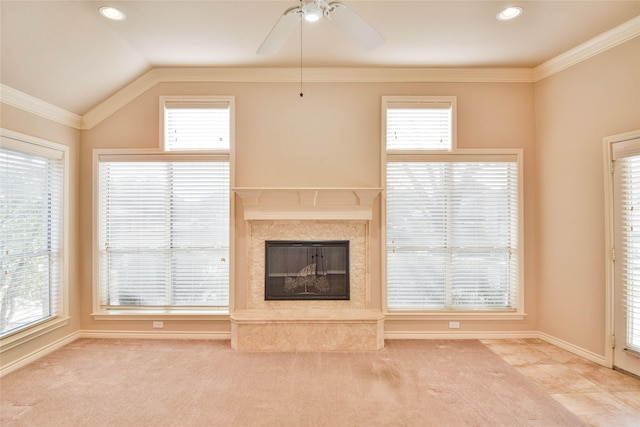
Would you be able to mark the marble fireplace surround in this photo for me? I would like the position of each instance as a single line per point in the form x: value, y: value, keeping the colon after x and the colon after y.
x: 308, y: 325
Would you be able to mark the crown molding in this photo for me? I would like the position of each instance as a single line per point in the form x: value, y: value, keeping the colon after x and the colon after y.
x: 119, y: 99
x: 292, y: 75
x: 33, y: 105
x: 341, y: 75
x: 586, y: 50
x: 100, y: 112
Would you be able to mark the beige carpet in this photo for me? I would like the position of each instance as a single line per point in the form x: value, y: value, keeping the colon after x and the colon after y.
x: 205, y: 383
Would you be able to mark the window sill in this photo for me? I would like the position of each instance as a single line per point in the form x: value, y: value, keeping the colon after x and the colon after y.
x: 162, y: 315
x: 450, y: 315
x: 32, y: 333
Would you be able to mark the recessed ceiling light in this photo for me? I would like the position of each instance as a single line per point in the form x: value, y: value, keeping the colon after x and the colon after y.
x: 509, y: 13
x: 112, y: 13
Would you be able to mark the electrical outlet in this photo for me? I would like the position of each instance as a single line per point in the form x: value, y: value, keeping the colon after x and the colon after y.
x: 158, y: 324
x: 454, y: 325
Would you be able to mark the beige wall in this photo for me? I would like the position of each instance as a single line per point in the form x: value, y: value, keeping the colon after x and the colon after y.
x: 575, y: 109
x: 20, y: 121
x: 330, y: 137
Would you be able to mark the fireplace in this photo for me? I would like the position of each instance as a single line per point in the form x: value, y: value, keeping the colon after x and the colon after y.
x: 308, y: 273
x: 306, y: 270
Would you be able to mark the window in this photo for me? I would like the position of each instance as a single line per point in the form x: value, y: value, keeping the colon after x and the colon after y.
x: 163, y: 231
x: 32, y: 226
x: 163, y: 222
x: 420, y: 123
x: 452, y: 219
x: 196, y: 123
x: 629, y: 282
x: 622, y: 240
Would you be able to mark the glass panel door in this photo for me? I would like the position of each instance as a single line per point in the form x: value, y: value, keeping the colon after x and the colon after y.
x: 626, y: 308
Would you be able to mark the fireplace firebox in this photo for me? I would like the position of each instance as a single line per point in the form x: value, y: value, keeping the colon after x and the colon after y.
x: 306, y: 270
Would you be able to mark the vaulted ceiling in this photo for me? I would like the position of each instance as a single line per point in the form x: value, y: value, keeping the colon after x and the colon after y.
x: 66, y: 54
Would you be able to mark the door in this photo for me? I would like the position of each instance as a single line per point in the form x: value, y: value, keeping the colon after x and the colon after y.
x: 626, y: 254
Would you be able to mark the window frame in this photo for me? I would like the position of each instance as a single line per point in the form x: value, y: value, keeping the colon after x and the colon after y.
x: 61, y: 317
x: 171, y: 313
x: 388, y: 101
x: 454, y: 155
x: 229, y: 154
x: 211, y: 101
x: 621, y: 142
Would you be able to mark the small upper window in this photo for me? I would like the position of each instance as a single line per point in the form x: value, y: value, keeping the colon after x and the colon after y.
x: 196, y: 123
x: 420, y: 123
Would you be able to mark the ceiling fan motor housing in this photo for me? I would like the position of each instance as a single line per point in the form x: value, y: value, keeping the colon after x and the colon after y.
x: 312, y: 10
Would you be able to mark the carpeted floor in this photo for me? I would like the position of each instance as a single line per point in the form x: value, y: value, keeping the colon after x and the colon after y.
x: 205, y: 383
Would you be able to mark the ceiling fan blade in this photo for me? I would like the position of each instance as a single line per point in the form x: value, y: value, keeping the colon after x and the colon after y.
x: 280, y: 32
x: 354, y: 26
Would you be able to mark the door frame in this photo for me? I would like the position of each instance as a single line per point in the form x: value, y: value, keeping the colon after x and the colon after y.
x: 610, y: 308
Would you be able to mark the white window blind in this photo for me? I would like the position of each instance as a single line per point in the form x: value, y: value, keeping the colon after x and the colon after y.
x: 452, y: 235
x: 164, y: 233
x: 196, y: 125
x: 31, y: 255
x: 419, y: 125
x: 630, y: 245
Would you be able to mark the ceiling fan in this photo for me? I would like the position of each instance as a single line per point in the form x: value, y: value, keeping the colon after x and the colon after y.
x: 314, y: 10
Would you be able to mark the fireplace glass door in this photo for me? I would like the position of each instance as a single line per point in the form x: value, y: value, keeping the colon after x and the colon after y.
x: 299, y: 270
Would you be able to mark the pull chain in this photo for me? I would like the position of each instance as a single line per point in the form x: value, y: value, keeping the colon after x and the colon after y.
x: 301, y: 26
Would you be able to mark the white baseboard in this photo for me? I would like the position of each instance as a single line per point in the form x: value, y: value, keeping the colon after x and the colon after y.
x: 579, y: 351
x: 463, y: 335
x: 35, y: 355
x: 157, y: 335
x: 41, y: 352
x: 197, y: 335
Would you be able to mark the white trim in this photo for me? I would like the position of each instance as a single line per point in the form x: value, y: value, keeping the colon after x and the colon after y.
x: 307, y: 203
x: 62, y: 316
x: 405, y: 100
x: 473, y: 154
x: 202, y: 101
x: 117, y: 315
x: 49, y: 348
x: 7, y: 133
x: 622, y: 137
x: 479, y: 335
x: 37, y: 354
x: 292, y: 75
x: 32, y: 333
x: 184, y: 335
x: 609, y: 235
x: 33, y: 105
x: 595, y: 46
x: 395, y: 315
x: 109, y: 154
x: 449, y: 335
x: 100, y: 112
x: 119, y: 99
x: 571, y: 348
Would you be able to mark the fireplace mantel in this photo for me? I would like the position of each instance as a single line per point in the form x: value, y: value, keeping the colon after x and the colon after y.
x: 326, y: 203
x: 307, y: 214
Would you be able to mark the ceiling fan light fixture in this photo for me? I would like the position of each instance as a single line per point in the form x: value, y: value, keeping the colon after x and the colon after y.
x: 312, y: 12
x: 509, y: 13
x: 112, y: 13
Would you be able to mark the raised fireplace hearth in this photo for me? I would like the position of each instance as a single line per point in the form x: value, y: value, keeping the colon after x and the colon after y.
x: 308, y: 269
